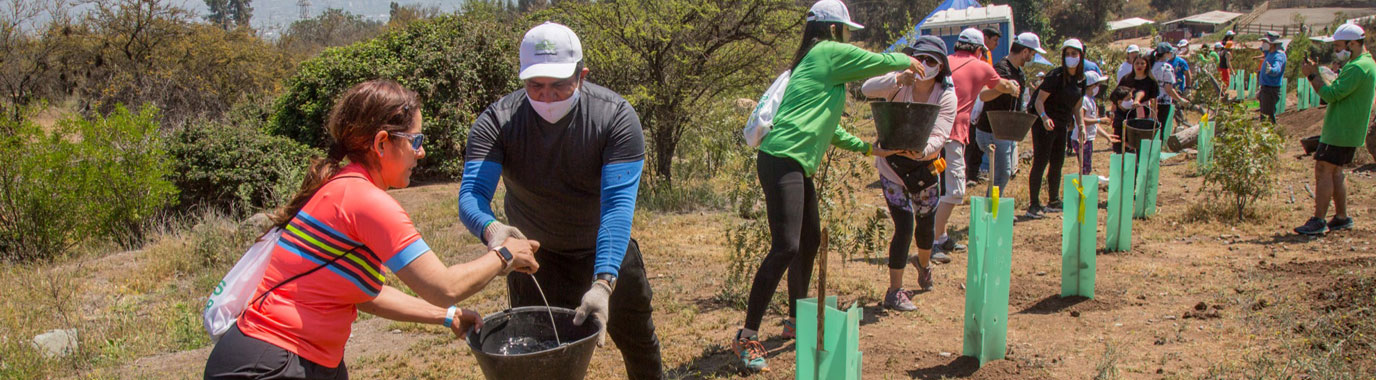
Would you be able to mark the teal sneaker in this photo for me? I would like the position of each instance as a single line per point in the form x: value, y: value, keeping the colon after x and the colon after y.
x: 790, y: 329
x: 750, y: 352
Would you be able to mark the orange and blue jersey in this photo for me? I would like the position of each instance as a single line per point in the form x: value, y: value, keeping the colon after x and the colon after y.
x: 312, y: 316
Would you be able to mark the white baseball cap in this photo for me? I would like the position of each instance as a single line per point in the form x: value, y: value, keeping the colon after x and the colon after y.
x: 832, y: 11
x: 1134, y: 49
x: 1031, y: 41
x: 1218, y: 45
x: 550, y: 50
x: 1092, y: 78
x: 971, y: 36
x: 1348, y: 32
x: 1073, y: 43
x: 1183, y: 43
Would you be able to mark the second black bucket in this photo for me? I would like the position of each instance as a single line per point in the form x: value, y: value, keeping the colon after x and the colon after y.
x: 1010, y: 125
x: 904, y: 126
x: 1137, y: 130
x: 1310, y: 144
x: 531, y: 325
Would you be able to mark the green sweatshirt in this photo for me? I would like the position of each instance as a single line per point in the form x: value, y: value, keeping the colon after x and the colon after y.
x: 1349, y: 103
x: 808, y: 117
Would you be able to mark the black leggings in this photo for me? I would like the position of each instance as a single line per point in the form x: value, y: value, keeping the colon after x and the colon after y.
x: 1048, y: 149
x: 795, y: 232
x: 903, y: 231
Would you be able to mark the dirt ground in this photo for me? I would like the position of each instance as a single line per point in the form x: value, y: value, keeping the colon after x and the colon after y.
x: 1196, y: 297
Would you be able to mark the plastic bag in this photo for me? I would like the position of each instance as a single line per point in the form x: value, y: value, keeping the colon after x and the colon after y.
x: 232, y: 295
x: 762, y: 119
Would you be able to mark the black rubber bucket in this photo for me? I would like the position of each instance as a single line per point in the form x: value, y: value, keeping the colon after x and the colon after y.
x: 1137, y: 130
x: 1010, y: 125
x: 532, y: 324
x: 1310, y: 144
x: 904, y: 126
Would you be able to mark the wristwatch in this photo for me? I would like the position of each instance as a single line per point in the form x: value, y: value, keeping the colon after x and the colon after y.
x: 504, y: 254
x: 609, y: 278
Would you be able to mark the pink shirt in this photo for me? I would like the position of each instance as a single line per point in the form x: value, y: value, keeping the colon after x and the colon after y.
x: 971, y: 75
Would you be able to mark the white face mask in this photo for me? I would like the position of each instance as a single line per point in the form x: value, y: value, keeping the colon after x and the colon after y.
x: 1343, y: 55
x: 1094, y: 91
x: 1265, y: 46
x: 929, y: 72
x: 1126, y: 104
x: 1072, y: 61
x: 554, y: 111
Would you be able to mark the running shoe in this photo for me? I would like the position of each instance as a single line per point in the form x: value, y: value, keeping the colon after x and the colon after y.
x: 924, y: 275
x: 898, y: 300
x: 1340, y: 224
x: 750, y: 352
x: 941, y: 257
x: 1034, y: 212
x: 790, y: 329
x: 1315, y: 226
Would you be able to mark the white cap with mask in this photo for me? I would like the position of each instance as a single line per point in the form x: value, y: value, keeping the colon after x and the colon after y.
x: 550, y: 50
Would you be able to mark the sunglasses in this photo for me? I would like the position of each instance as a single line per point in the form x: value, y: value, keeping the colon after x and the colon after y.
x: 928, y: 60
x: 416, y: 138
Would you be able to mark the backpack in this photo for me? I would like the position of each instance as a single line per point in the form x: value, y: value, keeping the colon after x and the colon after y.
x: 762, y: 119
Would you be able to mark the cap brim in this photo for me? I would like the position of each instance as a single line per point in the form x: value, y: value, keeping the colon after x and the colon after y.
x: 549, y: 70
x: 854, y: 26
x: 1040, y: 50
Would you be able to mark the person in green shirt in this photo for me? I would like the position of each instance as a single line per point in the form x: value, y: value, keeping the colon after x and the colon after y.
x: 1349, y: 100
x: 804, y: 127
x: 1209, y: 57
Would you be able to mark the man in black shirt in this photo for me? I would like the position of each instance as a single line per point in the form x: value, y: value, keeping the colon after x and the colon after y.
x: 1023, y: 50
x: 570, y: 154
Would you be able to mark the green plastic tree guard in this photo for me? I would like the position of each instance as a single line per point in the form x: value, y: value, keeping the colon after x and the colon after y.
x: 1252, y: 86
x: 1121, y: 183
x: 1079, y: 234
x: 986, y: 279
x: 1314, y: 99
x: 841, y: 340
x: 1205, y: 147
x: 1169, y: 129
x: 1239, y: 88
x: 1302, y: 94
x: 1284, y: 86
x: 1148, y: 171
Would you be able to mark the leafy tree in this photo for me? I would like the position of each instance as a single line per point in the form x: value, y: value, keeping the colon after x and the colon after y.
x: 99, y: 177
x: 459, y: 64
x: 400, y: 15
x: 334, y: 27
x: 235, y: 168
x: 672, y: 58
x: 1083, y: 19
x: 887, y: 20
x: 1030, y: 16
x: 28, y: 72
x: 1245, y: 159
x: 229, y: 13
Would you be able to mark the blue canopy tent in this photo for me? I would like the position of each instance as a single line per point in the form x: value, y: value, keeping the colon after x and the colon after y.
x: 952, y: 16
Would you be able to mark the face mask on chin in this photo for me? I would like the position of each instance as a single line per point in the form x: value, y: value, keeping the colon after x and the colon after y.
x: 1342, y: 55
x: 554, y: 111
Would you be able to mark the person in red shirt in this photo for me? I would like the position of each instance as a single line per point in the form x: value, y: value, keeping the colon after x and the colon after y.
x: 973, y: 78
x: 343, y: 221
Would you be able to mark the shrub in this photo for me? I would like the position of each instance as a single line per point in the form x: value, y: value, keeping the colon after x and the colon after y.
x: 1245, y: 155
x: 98, y: 177
x: 235, y: 168
x: 458, y: 64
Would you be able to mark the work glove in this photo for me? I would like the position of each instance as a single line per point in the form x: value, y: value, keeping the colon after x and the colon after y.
x: 595, y: 303
x: 496, y: 234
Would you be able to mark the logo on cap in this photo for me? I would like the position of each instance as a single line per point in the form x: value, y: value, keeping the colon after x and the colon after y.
x: 546, y: 47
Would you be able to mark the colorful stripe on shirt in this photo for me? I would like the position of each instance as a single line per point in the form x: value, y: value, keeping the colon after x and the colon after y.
x: 316, y: 242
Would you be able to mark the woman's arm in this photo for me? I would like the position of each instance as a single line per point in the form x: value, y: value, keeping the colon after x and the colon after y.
x: 883, y: 86
x: 441, y: 285
x: 392, y: 304
x: 1041, y: 110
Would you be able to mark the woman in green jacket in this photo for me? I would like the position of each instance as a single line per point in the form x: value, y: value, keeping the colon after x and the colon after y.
x: 804, y: 127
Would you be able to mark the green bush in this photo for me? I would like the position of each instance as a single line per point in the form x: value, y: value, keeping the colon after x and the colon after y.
x: 235, y: 168
x: 101, y: 177
x: 1245, y: 158
x: 458, y: 64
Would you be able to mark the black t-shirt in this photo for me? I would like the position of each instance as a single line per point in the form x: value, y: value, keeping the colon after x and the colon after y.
x: 1223, y: 59
x: 553, y: 171
x: 1147, y: 85
x: 1005, y: 102
x: 1066, y: 92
